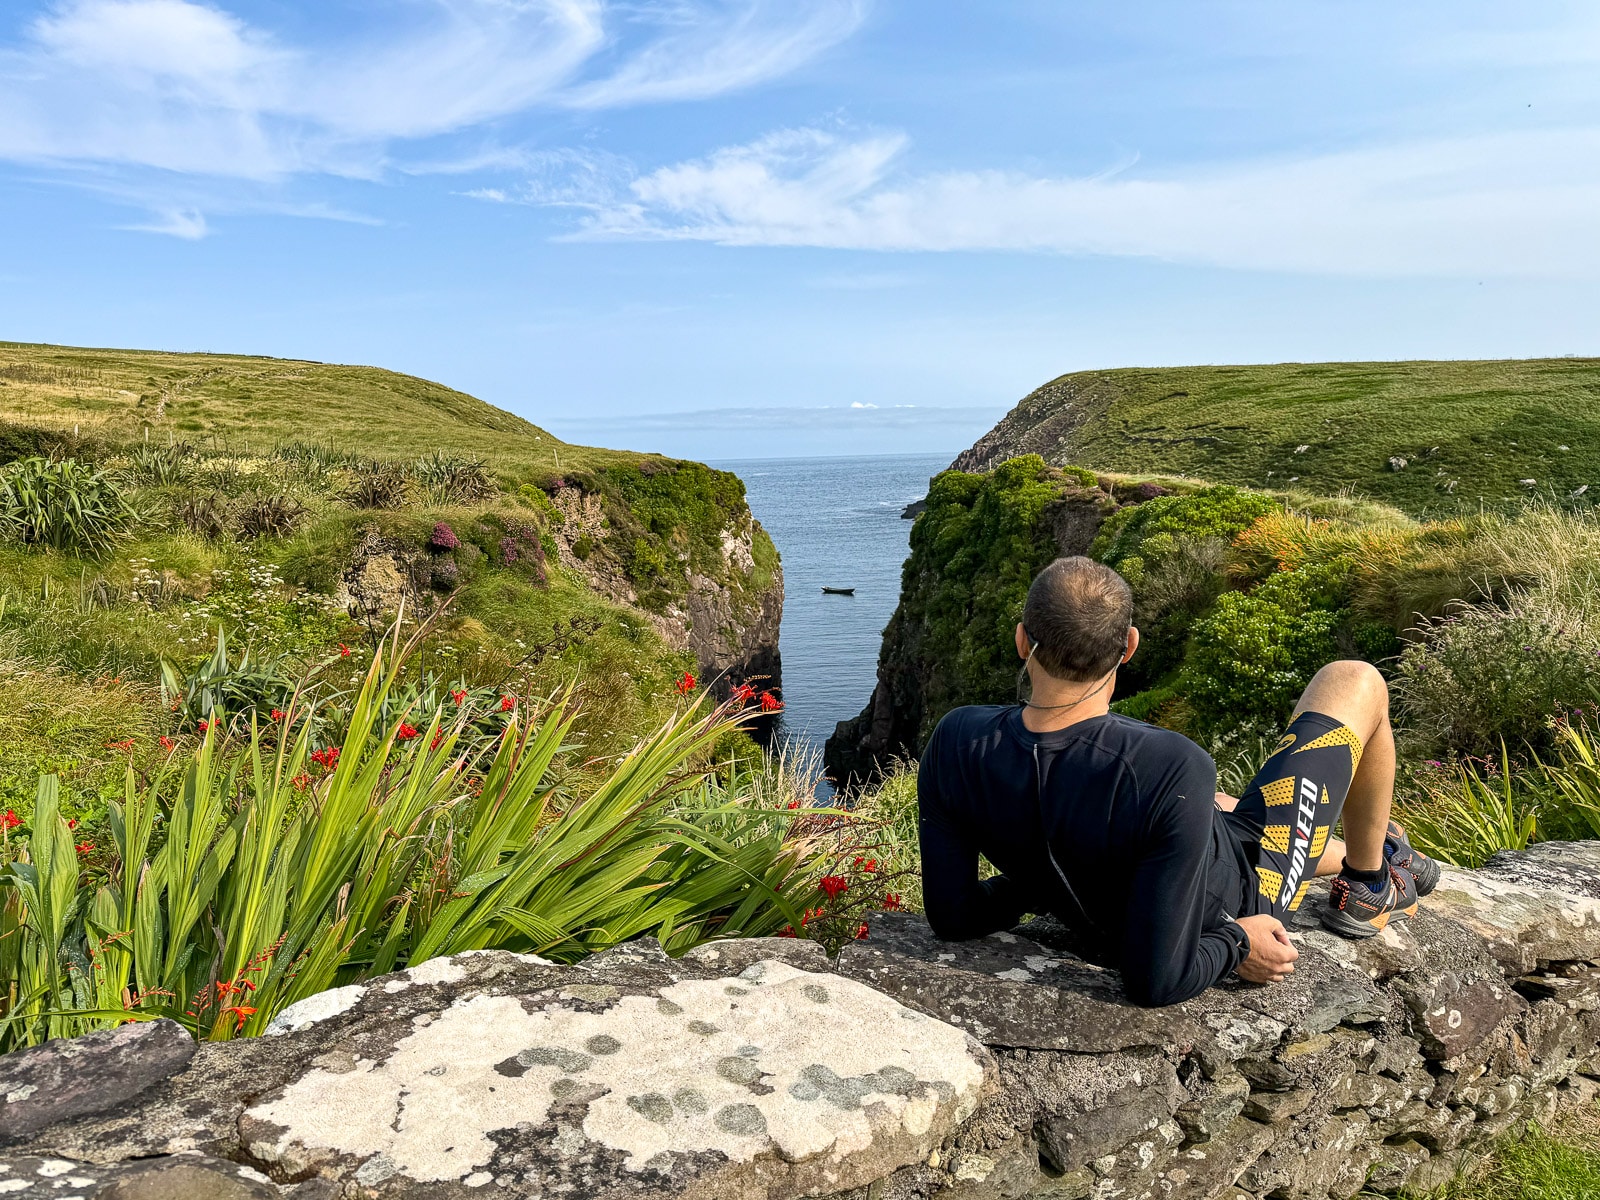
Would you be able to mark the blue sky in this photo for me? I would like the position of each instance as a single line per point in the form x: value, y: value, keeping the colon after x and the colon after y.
x: 735, y: 228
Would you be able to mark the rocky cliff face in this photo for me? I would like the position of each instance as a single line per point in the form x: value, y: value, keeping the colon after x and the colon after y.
x: 905, y: 1069
x: 974, y: 550
x: 1042, y: 423
x: 724, y: 606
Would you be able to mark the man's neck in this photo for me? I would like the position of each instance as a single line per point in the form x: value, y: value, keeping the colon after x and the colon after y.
x: 1042, y: 717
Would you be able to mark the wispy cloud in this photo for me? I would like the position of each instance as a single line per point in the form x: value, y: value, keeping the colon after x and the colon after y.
x: 190, y: 87
x: 1501, y: 204
x: 184, y: 223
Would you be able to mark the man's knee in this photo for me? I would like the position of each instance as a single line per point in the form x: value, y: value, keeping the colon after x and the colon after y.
x: 1350, y: 684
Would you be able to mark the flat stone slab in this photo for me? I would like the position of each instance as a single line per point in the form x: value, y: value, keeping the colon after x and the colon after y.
x: 1538, y: 905
x: 76, y: 1077
x: 630, y: 1075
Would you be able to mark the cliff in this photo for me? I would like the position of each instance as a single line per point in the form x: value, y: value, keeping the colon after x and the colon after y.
x: 905, y: 1069
x: 1428, y: 437
x: 974, y: 550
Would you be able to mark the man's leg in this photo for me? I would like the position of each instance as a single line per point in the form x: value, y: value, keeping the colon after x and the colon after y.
x: 1354, y: 694
x: 1338, y: 747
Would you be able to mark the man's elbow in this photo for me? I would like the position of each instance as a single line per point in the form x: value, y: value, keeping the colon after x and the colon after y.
x: 953, y: 926
x: 1158, y: 993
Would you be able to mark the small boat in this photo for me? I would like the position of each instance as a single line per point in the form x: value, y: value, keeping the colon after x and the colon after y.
x: 828, y: 591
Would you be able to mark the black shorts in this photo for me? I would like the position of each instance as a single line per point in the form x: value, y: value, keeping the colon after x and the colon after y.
x: 1285, y: 817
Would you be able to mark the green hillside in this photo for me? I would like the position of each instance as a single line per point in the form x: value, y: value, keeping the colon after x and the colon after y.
x: 1470, y: 432
x: 150, y: 501
x: 243, y: 402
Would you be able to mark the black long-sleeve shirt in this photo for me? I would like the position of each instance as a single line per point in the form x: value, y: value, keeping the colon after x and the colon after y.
x: 1127, y: 812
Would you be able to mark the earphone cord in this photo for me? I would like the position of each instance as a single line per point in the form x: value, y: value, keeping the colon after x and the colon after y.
x: 1087, y: 695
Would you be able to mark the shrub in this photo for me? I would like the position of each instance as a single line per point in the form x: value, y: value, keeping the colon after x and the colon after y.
x: 202, y: 513
x: 378, y: 485
x: 450, y: 480
x: 1176, y: 590
x: 443, y: 537
x: 1251, y: 658
x: 1489, y: 675
x: 263, y: 514
x: 1142, y: 532
x: 64, y: 505
x: 162, y: 466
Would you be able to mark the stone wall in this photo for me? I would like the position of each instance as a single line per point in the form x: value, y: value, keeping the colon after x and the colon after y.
x: 908, y: 1068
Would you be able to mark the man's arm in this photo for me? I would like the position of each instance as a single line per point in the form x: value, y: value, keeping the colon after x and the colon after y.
x: 1168, y: 956
x: 957, y: 903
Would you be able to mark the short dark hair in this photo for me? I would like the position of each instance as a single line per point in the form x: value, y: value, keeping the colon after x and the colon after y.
x: 1077, y: 615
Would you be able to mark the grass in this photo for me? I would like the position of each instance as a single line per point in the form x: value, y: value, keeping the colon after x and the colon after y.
x: 246, y: 402
x: 1471, y: 431
x: 1533, y: 1164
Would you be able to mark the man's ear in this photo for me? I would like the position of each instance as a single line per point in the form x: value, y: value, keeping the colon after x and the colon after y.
x: 1133, y: 642
x: 1023, y: 646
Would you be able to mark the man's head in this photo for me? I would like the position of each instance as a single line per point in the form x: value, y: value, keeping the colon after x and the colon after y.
x: 1078, y: 620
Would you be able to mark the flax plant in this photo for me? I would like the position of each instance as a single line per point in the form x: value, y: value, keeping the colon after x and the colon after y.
x: 259, y: 870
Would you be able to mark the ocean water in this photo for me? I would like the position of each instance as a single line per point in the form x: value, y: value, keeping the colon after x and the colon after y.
x: 837, y: 523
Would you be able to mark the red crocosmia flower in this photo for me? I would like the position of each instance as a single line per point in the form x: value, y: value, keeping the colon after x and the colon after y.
x: 9, y: 820
x: 794, y: 804
x: 406, y: 732
x: 204, y: 725
x: 770, y: 703
x: 278, y: 714
x: 437, y: 738
x: 832, y: 885
x: 686, y: 684
x: 459, y: 695
x: 507, y: 703
x: 861, y: 931
x: 166, y: 742
x: 788, y: 931
x: 871, y: 865
x: 72, y: 824
x: 891, y: 901
x: 744, y: 693
x: 84, y: 847
x: 344, y: 651
x: 301, y: 782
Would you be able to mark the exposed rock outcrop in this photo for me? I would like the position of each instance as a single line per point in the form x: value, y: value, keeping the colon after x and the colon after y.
x: 1001, y: 1069
x: 1042, y: 423
x: 729, y: 618
x: 913, y: 689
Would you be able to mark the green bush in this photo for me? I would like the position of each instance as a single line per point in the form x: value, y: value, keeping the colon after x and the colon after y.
x: 1139, y: 534
x: 1251, y: 658
x: 1488, y: 675
x: 65, y: 505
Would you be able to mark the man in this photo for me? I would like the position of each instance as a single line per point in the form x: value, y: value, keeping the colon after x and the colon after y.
x: 1117, y: 828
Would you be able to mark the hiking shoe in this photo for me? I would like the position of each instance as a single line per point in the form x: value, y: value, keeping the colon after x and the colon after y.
x: 1401, y: 853
x: 1360, y: 910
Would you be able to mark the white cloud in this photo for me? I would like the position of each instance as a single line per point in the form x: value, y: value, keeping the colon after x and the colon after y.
x: 721, y: 46
x: 185, y: 223
x: 1501, y: 204
x: 188, y: 86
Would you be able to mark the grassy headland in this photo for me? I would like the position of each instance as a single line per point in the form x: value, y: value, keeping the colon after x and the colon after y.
x: 1470, y: 433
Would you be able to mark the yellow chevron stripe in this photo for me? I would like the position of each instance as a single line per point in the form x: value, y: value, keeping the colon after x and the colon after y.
x: 1319, y: 841
x: 1276, y: 837
x: 1279, y: 792
x: 1270, y: 883
x: 1300, y: 894
x: 1342, y: 736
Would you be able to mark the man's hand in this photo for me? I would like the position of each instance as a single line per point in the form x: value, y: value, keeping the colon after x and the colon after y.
x: 1272, y: 956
